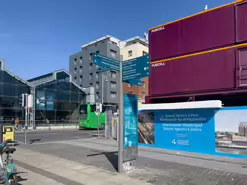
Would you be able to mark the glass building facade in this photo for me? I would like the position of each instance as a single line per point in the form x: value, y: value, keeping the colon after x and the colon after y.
x: 11, y: 88
x: 57, y: 99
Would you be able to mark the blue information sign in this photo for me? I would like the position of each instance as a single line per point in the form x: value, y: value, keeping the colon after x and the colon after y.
x: 137, y: 82
x: 136, y: 68
x: 106, y: 62
x: 103, y: 69
x: 190, y: 130
x: 130, y: 127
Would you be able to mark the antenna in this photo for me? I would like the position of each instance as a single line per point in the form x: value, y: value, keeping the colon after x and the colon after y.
x: 206, y: 8
x: 145, y: 36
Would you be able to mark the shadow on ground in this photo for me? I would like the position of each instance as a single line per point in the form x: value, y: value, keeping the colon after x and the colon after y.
x: 20, y: 179
x: 111, y: 156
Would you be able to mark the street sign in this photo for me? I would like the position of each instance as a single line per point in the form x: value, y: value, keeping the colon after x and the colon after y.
x: 103, y: 69
x: 137, y: 82
x: 136, y: 68
x: 106, y: 62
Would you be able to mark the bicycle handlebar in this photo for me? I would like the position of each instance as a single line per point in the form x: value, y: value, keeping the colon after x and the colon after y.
x: 9, y: 141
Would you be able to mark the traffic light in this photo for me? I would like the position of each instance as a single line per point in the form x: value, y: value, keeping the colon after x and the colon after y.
x: 22, y: 100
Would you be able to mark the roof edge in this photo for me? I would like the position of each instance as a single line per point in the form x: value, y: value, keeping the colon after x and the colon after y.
x: 206, y: 11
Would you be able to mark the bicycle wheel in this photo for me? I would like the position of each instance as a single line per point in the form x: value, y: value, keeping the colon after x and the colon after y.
x: 13, y: 181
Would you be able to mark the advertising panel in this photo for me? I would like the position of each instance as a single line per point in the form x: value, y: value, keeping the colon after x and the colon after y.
x: 187, y: 130
x: 44, y: 100
x: 49, y: 101
x: 130, y: 127
x: 40, y: 100
x: 146, y: 128
x: 231, y: 131
x: 221, y: 132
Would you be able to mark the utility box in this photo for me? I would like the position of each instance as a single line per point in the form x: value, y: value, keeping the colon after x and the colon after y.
x: 7, y: 131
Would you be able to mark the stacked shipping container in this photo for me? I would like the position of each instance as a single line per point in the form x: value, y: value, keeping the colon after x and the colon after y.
x: 204, y: 52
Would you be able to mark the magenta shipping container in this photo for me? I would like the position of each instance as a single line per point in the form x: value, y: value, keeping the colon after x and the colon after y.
x: 241, y: 17
x: 201, y: 32
x: 211, y: 71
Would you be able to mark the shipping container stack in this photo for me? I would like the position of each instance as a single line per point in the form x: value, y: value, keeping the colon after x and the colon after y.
x: 201, y: 57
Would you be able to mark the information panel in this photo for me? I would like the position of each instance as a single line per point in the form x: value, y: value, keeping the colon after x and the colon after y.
x: 130, y: 127
x: 190, y: 130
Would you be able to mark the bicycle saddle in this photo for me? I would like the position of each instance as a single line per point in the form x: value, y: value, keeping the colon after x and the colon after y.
x: 9, y: 150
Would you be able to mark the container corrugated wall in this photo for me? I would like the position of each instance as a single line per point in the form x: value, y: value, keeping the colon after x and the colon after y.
x: 241, y: 18
x: 205, y: 31
x: 212, y: 71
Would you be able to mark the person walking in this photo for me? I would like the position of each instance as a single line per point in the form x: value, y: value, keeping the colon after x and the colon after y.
x: 17, y: 124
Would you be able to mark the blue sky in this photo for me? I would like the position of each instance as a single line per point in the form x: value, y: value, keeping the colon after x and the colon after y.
x: 38, y: 36
x: 228, y: 120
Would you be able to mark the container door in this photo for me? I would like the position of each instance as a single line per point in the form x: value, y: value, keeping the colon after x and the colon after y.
x: 241, y: 22
x: 242, y: 59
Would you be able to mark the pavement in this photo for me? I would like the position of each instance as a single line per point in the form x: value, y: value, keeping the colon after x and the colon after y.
x: 54, y: 135
x: 64, y: 158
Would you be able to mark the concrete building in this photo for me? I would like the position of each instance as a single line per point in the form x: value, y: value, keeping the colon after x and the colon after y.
x: 242, y: 129
x: 84, y: 71
x: 133, y: 48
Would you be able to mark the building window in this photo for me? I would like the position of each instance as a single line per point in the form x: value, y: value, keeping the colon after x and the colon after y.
x: 80, y: 85
x: 97, y: 85
x: 113, y: 95
x: 75, y: 78
x: 114, y: 43
x: 75, y: 68
x: 97, y: 95
x: 143, y: 95
x: 97, y: 76
x: 129, y: 85
x: 113, y: 53
x: 91, y: 84
x: 80, y: 67
x: 80, y: 60
x: 91, y: 65
x: 113, y: 85
x: 91, y: 76
x: 130, y: 53
x: 97, y: 52
x: 144, y: 53
x: 81, y: 77
x: 75, y: 61
x: 143, y: 84
x: 130, y: 92
x: 91, y: 56
x: 113, y: 74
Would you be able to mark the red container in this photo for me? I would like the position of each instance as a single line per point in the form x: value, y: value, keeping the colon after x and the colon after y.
x: 241, y: 24
x: 205, y: 31
x: 211, y: 71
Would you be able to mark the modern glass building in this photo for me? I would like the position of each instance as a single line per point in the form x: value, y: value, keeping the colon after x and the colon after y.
x: 56, y: 98
x: 11, y: 88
